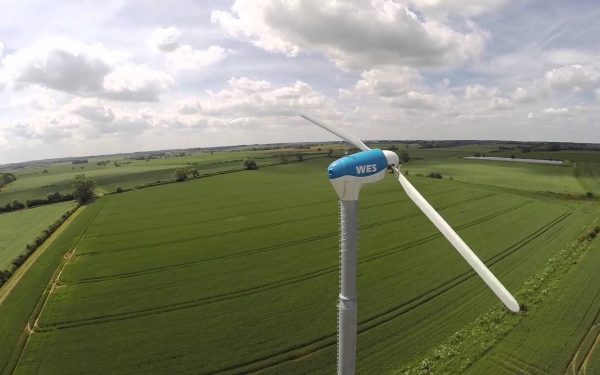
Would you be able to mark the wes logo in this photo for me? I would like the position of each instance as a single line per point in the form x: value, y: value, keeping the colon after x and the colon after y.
x: 369, y: 168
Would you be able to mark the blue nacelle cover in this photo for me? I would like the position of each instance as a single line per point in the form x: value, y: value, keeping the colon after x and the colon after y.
x: 361, y: 164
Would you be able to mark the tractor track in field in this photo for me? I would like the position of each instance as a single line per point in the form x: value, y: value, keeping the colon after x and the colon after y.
x: 593, y: 349
x: 257, y: 289
x: 196, y: 222
x: 582, y: 367
x: 180, y: 214
x: 264, y: 249
x: 364, y: 325
x: 158, y: 209
x: 188, y: 204
x: 30, y: 327
x: 515, y: 364
x: 268, y: 225
x: 306, y: 349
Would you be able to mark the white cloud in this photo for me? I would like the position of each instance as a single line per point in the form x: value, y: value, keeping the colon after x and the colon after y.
x: 245, y: 97
x: 522, y: 95
x: 84, y: 69
x: 418, y: 100
x: 501, y: 103
x: 576, y: 77
x: 465, y: 8
x: 387, y: 82
x: 187, y: 58
x: 352, y: 34
x: 188, y: 106
x: 183, y: 56
x: 556, y: 111
x: 165, y: 39
x: 93, y: 110
x: 480, y: 92
x: 132, y: 82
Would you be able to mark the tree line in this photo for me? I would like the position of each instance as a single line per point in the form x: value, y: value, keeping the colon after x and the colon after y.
x: 83, y: 192
x: 7, y: 178
x: 31, y: 247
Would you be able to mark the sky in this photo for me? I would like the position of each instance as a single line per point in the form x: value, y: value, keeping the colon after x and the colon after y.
x: 98, y: 77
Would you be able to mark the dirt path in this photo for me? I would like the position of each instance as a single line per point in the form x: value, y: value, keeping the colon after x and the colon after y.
x: 16, y: 277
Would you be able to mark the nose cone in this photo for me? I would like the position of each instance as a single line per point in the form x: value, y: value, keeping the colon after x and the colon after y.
x: 339, y: 168
x: 392, y: 158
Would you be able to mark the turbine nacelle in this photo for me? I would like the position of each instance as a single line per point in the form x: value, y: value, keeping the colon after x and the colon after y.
x: 350, y: 173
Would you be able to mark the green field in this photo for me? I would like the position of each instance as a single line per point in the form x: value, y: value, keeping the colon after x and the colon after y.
x: 39, y: 180
x: 573, y: 313
x: 17, y: 229
x: 238, y: 273
x: 522, y: 176
x: 588, y: 174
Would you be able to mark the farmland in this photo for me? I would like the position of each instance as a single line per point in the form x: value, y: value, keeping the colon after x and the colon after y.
x: 17, y: 229
x: 238, y: 272
x: 39, y: 180
x: 532, y: 177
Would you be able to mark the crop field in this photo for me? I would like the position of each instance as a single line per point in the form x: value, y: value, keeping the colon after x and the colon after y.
x: 17, y: 229
x: 522, y: 176
x: 576, y: 306
x: 38, y: 181
x: 588, y: 174
x: 238, y: 273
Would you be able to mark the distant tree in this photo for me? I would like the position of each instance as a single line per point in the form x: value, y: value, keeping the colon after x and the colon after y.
x: 512, y: 156
x: 589, y: 194
x: 83, y: 188
x: 329, y: 152
x: 300, y: 156
x: 7, y: 178
x: 404, y: 157
x: 392, y: 147
x: 554, y: 147
x: 16, y: 205
x: 180, y: 174
x: 437, y: 175
x: 193, y: 172
x: 249, y: 164
x: 283, y: 158
x: 54, y: 197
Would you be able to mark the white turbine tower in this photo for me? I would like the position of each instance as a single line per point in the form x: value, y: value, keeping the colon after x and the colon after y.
x: 347, y: 175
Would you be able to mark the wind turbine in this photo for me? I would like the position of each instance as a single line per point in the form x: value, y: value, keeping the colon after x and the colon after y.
x: 347, y: 175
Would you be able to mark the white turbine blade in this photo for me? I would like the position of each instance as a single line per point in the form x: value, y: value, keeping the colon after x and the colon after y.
x: 464, y: 250
x: 350, y: 138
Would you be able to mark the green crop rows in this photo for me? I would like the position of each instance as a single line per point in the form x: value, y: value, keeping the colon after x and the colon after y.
x: 239, y: 273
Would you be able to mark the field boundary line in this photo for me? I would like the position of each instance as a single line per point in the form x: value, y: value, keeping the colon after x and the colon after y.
x: 41, y: 303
